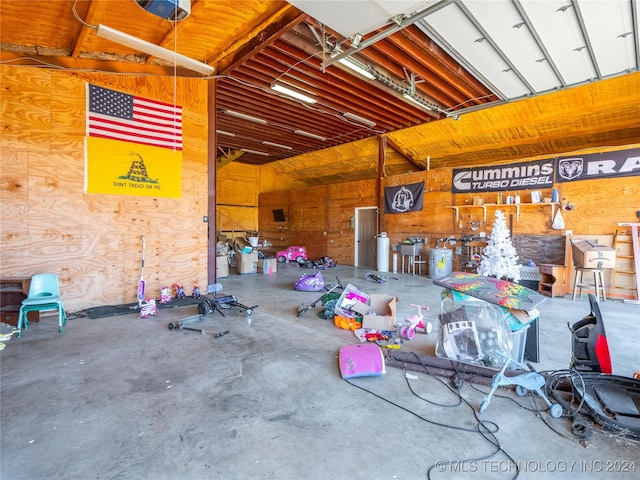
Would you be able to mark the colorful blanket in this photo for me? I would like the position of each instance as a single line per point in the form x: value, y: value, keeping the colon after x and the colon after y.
x: 493, y: 290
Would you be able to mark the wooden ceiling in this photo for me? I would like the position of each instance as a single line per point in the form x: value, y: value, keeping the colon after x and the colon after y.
x: 253, y: 44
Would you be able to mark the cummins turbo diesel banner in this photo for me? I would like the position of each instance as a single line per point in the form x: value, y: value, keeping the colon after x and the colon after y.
x: 623, y: 163
x: 498, y: 178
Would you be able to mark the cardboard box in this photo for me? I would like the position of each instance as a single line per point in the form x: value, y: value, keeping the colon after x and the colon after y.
x: 384, y: 307
x: 222, y: 266
x: 592, y: 255
x: 267, y: 266
x: 241, y: 245
x: 247, y: 263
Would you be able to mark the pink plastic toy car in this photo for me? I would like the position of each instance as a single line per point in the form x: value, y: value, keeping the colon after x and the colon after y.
x: 297, y: 253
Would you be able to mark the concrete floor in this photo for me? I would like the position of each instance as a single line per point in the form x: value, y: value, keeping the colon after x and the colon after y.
x: 126, y: 398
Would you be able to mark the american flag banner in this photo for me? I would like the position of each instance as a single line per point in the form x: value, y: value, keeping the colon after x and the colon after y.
x: 133, y: 145
x: 129, y: 118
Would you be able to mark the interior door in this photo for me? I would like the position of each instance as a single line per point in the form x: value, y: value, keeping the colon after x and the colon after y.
x: 366, y: 231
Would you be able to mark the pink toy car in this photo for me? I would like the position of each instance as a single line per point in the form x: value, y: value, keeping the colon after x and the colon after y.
x: 297, y: 253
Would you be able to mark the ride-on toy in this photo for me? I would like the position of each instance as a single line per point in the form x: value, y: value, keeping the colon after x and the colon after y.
x: 414, y: 321
x: 297, y: 253
x: 524, y: 382
x: 217, y: 303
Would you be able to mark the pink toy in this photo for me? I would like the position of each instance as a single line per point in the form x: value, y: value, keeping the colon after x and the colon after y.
x: 297, y: 253
x: 196, y: 292
x: 148, y: 309
x: 414, y: 322
x: 179, y: 291
x: 165, y: 295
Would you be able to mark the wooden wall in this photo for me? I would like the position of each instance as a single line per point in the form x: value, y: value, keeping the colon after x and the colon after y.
x: 93, y: 242
x: 319, y: 217
x: 237, y: 187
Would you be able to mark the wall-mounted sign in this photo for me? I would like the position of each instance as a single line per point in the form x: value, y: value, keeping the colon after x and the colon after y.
x: 403, y: 198
x: 133, y: 145
x: 498, y: 178
x: 622, y: 163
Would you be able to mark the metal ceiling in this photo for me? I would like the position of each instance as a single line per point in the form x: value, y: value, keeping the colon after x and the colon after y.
x: 455, y: 56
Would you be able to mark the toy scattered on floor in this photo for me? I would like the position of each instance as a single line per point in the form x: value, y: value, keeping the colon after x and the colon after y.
x: 182, y: 325
x: 217, y: 303
x: 329, y: 301
x: 297, y: 253
x: 347, y: 323
x: 415, y: 321
x: 321, y: 264
x: 529, y: 381
x: 361, y: 361
x: 377, y: 278
x: 6, y: 332
x: 302, y: 309
x: 165, y: 295
x: 148, y: 309
x: 179, y: 291
x: 196, y: 292
x: 310, y: 283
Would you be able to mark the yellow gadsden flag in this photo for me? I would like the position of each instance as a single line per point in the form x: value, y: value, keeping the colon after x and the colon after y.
x: 133, y: 145
x: 124, y: 168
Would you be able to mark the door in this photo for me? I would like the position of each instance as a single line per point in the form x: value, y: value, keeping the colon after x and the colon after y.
x: 366, y: 231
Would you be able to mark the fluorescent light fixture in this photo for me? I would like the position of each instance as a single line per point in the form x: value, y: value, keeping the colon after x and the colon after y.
x: 277, y: 145
x: 152, y: 49
x: 310, y: 135
x: 293, y: 93
x: 254, y: 151
x: 359, y: 119
x: 244, y: 116
x: 356, y: 67
x: 419, y: 101
x: 228, y: 134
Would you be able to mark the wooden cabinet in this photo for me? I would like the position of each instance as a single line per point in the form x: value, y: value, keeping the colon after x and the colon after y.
x: 553, y: 279
x: 12, y: 291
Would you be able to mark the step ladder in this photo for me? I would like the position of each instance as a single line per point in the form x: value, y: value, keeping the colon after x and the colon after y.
x: 627, y: 246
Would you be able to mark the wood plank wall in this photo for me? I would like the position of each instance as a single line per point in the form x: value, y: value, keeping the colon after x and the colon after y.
x: 93, y: 242
x: 319, y: 216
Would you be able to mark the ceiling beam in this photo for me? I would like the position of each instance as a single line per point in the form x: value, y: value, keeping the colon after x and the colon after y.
x: 258, y: 38
x: 227, y: 157
x: 401, y: 151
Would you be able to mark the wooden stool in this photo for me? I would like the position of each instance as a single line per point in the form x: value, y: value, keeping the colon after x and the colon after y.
x: 598, y: 282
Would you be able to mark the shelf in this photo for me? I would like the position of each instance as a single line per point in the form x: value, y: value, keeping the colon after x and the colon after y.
x: 517, y: 206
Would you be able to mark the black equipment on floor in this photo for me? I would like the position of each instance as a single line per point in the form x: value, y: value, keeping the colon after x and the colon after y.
x: 613, y: 401
x: 590, y: 349
x: 217, y: 303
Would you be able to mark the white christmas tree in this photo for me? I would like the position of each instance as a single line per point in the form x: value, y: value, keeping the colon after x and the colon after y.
x: 500, y: 258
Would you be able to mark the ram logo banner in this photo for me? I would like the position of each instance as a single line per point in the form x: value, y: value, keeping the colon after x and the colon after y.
x: 622, y: 163
x: 405, y: 198
x: 570, y: 168
x: 133, y: 145
x: 498, y: 178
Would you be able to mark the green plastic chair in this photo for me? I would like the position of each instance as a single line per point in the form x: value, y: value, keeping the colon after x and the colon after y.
x: 44, y: 294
